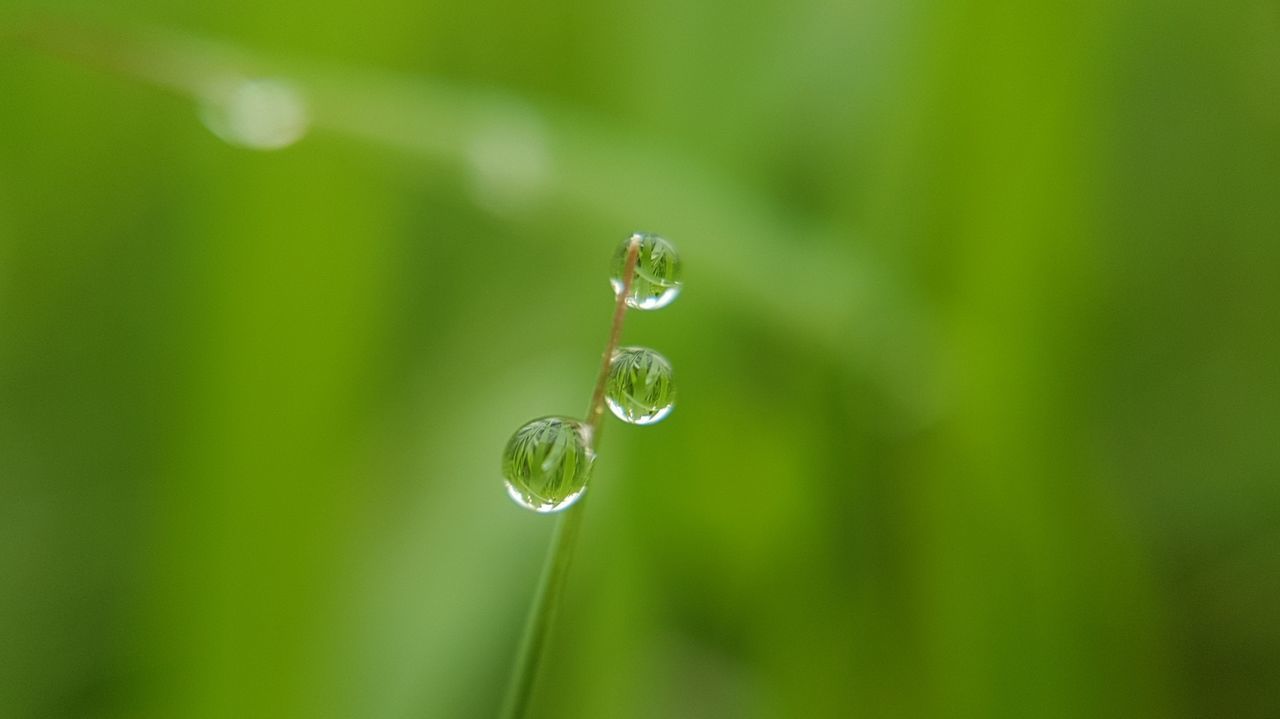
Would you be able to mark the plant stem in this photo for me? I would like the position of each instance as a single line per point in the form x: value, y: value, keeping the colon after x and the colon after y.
x: 560, y: 554
x: 595, y: 413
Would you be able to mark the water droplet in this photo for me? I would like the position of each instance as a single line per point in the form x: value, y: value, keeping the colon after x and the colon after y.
x: 547, y: 463
x: 657, y: 279
x: 257, y: 113
x: 640, y: 388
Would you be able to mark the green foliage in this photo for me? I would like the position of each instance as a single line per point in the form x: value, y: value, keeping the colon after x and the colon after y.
x: 985, y: 312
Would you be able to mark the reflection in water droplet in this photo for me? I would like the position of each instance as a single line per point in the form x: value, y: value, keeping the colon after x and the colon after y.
x: 640, y: 389
x: 257, y: 113
x: 657, y: 279
x: 547, y: 463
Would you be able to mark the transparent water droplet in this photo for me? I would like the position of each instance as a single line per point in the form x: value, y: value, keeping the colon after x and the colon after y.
x: 640, y: 389
x: 657, y: 278
x: 257, y: 113
x: 547, y: 463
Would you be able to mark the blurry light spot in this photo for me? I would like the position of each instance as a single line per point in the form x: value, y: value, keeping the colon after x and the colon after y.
x: 257, y: 113
x: 508, y: 162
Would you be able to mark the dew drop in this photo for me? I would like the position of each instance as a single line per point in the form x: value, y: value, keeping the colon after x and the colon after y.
x: 256, y: 113
x: 657, y: 278
x: 640, y: 389
x: 547, y: 463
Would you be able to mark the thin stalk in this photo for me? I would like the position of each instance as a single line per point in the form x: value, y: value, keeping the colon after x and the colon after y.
x: 555, y: 569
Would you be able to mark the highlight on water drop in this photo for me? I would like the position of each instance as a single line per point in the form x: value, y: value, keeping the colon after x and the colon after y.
x: 547, y: 463
x: 656, y: 281
x: 255, y: 113
x: 641, y: 388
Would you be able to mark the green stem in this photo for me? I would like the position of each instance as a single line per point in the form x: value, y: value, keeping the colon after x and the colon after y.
x: 542, y: 611
x: 555, y: 569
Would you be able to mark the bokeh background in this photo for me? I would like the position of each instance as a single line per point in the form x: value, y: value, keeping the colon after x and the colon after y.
x: 977, y: 356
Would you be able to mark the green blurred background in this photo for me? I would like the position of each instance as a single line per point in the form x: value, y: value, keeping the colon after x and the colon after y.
x: 977, y: 355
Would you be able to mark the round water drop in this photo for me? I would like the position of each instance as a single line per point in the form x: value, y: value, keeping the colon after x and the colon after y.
x: 256, y: 113
x: 640, y: 389
x: 547, y: 463
x: 657, y: 277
